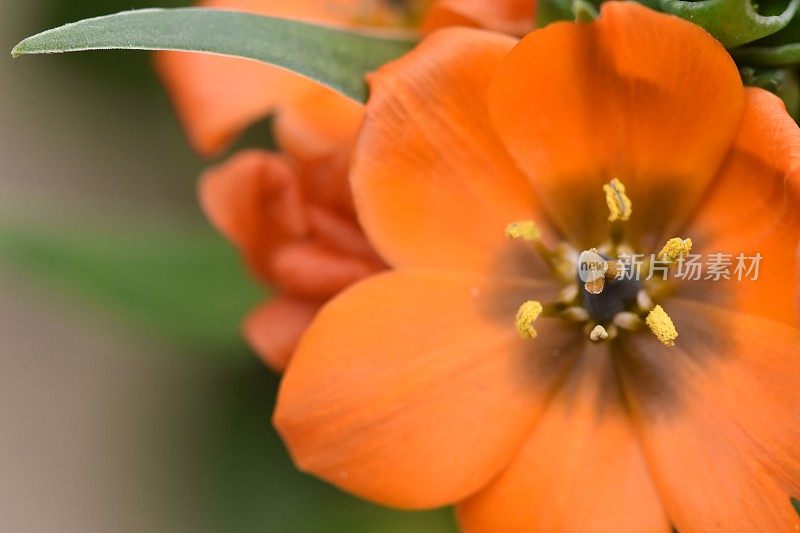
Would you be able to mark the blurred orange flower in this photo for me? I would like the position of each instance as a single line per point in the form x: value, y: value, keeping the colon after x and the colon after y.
x: 414, y: 388
x: 217, y: 97
x: 291, y: 215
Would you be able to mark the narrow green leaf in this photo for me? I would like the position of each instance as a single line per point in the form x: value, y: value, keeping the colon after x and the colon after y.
x: 336, y: 58
x: 186, y: 287
x: 732, y: 22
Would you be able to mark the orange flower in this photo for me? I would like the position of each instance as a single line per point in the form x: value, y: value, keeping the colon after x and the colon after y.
x: 292, y: 218
x: 217, y: 97
x: 414, y: 388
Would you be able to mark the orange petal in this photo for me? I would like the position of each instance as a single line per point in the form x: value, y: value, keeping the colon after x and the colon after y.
x: 273, y: 329
x: 753, y: 208
x: 217, y: 97
x: 413, y: 389
x: 318, y: 130
x: 582, y: 469
x: 718, y: 416
x: 318, y: 124
x: 433, y: 185
x: 254, y: 199
x: 313, y: 270
x: 340, y: 233
x: 515, y: 17
x: 637, y: 95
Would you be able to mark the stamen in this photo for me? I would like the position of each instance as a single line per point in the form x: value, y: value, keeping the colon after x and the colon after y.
x: 595, y: 286
x: 576, y: 314
x: 593, y: 268
x: 619, y: 205
x: 614, y: 268
x: 526, y: 316
x: 661, y: 325
x: 525, y: 230
x: 598, y: 333
x: 675, y: 249
x: 627, y: 320
x: 559, y: 260
x: 643, y: 301
x: 569, y: 293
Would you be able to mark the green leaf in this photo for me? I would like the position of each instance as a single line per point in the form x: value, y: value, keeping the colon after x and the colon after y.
x: 732, y: 22
x: 333, y: 57
x: 781, y: 49
x: 186, y: 287
x: 782, y: 82
x: 584, y: 11
x: 786, y: 55
x: 548, y: 11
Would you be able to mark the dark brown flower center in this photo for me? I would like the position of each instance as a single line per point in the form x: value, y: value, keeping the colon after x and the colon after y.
x: 602, y: 288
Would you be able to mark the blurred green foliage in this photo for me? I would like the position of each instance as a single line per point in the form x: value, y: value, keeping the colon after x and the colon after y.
x: 219, y: 464
x: 187, y: 287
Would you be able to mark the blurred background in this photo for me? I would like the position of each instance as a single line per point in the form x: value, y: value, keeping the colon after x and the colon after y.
x: 127, y: 400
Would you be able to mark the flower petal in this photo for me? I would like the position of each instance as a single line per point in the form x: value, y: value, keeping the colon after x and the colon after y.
x: 754, y: 207
x: 318, y: 131
x: 432, y: 184
x: 340, y: 233
x: 318, y: 124
x: 636, y: 95
x: 515, y: 17
x: 582, y: 468
x: 413, y: 388
x: 217, y: 97
x: 273, y: 329
x: 254, y: 199
x: 314, y: 270
x: 718, y: 415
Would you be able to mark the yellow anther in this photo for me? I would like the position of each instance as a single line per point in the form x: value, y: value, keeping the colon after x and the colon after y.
x: 599, y: 333
x: 526, y: 316
x: 619, y: 205
x: 661, y: 325
x: 674, y: 249
x: 525, y: 230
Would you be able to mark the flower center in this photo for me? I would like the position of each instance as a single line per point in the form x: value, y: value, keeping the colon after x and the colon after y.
x: 603, y: 287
